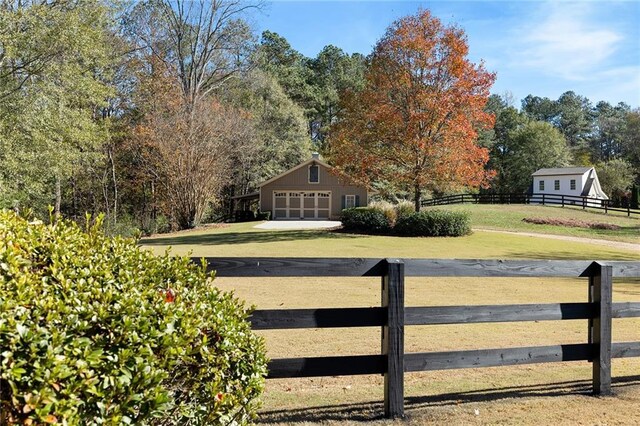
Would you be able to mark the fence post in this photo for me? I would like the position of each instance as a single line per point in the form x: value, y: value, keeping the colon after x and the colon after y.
x: 393, y: 338
x: 600, y: 294
x: 543, y: 199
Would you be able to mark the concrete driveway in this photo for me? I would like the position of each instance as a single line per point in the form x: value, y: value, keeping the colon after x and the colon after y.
x: 299, y: 224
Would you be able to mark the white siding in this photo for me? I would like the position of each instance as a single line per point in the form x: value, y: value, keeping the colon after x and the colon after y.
x: 565, y: 184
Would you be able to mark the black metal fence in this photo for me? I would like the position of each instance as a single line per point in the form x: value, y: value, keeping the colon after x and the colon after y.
x: 543, y: 199
x: 392, y: 316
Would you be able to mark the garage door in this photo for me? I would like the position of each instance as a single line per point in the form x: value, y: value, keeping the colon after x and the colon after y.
x: 301, y: 204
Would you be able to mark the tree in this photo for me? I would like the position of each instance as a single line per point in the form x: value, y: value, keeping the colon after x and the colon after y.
x: 533, y: 146
x: 280, y: 131
x: 610, y: 122
x: 415, y: 123
x: 575, y: 122
x: 616, y: 177
x: 54, y: 60
x: 187, y: 52
x: 631, y: 141
x: 192, y: 150
x: 498, y: 140
x: 334, y: 72
x: 207, y: 41
x: 540, y: 109
x: 289, y: 67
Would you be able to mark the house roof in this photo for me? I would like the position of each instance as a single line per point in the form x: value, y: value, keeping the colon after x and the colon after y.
x: 299, y: 166
x: 249, y: 196
x: 562, y: 171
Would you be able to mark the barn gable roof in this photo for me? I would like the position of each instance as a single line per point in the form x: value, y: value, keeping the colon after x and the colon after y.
x: 299, y: 166
x: 562, y: 171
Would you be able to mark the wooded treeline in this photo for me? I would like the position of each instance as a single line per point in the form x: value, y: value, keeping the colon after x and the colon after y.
x: 157, y: 112
x: 570, y: 130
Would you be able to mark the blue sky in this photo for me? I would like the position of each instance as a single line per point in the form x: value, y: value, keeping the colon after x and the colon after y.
x: 542, y: 48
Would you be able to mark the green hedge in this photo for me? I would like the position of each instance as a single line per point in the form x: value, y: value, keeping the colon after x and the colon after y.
x: 95, y: 330
x: 434, y: 223
x: 263, y: 215
x: 365, y: 219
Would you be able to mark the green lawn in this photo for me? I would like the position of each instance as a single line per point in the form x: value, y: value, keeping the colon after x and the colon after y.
x: 244, y: 240
x: 509, y: 217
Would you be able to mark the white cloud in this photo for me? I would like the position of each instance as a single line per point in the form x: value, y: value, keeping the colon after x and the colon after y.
x: 565, y: 40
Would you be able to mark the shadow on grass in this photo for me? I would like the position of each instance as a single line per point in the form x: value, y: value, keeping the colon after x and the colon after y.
x: 368, y: 411
x: 225, y: 238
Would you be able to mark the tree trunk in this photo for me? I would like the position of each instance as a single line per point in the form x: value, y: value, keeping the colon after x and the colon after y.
x: 56, y: 209
x: 115, y: 186
x: 154, y: 215
x: 416, y: 196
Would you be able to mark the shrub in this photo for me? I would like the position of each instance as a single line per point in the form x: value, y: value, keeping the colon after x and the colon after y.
x: 404, y: 208
x: 434, y: 223
x: 95, y: 330
x: 364, y: 219
x: 263, y: 215
x: 388, y: 209
x: 244, y: 215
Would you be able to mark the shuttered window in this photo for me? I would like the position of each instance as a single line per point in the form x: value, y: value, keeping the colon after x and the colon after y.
x: 349, y: 201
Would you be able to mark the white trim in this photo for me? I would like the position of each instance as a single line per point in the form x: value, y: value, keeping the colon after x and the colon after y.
x: 346, y: 200
x: 302, y: 209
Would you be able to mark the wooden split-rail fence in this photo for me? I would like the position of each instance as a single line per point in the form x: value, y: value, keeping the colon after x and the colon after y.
x: 393, y: 316
x: 542, y: 199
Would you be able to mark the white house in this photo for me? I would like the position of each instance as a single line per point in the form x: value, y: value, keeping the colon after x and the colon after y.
x: 569, y: 181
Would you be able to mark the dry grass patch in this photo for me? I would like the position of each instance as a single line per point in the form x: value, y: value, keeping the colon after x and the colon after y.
x: 574, y: 223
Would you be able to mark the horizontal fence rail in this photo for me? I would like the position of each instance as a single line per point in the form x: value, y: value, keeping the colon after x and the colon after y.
x: 369, y: 267
x: 497, y: 357
x: 281, y: 319
x: 393, y: 316
x: 543, y: 199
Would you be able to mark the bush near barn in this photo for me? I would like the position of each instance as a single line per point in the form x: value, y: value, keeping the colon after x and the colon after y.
x: 365, y: 219
x: 95, y: 330
x: 403, y: 220
x: 434, y: 223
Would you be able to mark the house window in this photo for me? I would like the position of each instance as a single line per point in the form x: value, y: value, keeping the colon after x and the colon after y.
x: 541, y: 185
x: 556, y: 185
x: 349, y: 201
x: 314, y: 174
x: 572, y: 184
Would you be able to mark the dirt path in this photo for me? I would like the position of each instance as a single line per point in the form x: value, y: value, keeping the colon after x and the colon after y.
x: 613, y: 244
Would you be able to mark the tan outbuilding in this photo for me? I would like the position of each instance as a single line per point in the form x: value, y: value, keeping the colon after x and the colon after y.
x: 310, y: 191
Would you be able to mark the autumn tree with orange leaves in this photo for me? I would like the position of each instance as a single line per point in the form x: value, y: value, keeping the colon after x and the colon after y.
x: 415, y: 123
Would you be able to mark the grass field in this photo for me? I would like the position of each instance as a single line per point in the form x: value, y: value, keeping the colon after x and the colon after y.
x: 539, y: 393
x: 509, y: 217
x: 244, y: 240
